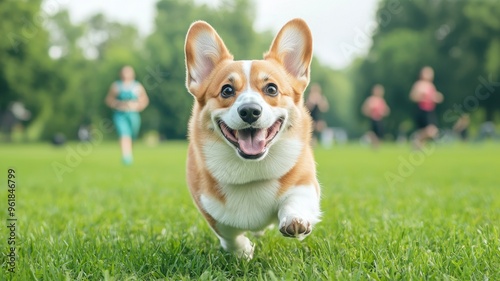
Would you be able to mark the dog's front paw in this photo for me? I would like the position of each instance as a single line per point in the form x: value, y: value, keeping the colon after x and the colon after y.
x: 295, y: 227
x: 239, y: 246
x: 246, y: 252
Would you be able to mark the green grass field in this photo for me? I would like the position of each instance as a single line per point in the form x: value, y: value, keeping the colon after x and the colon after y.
x: 437, y: 217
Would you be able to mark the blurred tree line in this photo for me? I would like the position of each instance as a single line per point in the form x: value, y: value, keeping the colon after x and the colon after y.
x: 61, y: 71
x: 459, y: 39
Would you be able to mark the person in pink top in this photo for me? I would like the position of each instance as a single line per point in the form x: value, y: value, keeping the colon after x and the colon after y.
x: 376, y: 108
x: 426, y: 96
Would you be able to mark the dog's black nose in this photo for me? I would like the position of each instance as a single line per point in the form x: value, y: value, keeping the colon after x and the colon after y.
x: 250, y: 112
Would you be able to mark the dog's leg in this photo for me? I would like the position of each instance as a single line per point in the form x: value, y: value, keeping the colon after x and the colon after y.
x: 261, y: 233
x: 298, y: 211
x: 234, y: 240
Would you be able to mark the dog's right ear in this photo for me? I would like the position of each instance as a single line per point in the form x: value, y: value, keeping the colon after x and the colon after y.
x: 204, y: 49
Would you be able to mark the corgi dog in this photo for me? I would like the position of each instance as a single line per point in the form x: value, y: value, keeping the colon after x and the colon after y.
x: 250, y: 163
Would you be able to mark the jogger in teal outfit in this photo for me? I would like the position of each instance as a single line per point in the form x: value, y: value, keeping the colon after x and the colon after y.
x: 127, y: 97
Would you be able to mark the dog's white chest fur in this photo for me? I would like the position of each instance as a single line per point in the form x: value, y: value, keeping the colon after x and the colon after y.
x: 251, y: 206
x: 250, y: 188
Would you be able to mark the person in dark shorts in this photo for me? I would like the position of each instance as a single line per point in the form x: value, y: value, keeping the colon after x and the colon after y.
x: 426, y: 96
x: 317, y: 104
x: 376, y: 109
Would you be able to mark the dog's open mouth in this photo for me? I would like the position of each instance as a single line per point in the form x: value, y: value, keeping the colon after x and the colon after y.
x: 251, y: 143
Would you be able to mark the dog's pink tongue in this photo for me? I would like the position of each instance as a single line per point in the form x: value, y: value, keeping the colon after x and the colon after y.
x: 252, y: 141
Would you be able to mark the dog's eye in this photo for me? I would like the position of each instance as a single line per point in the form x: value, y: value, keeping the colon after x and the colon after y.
x: 271, y: 90
x: 227, y: 91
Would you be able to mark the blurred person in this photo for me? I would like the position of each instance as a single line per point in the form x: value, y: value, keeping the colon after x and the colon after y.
x: 317, y: 104
x: 127, y: 98
x: 84, y: 130
x: 15, y: 114
x: 487, y: 129
x: 376, y: 109
x: 59, y: 139
x: 84, y: 133
x: 461, y: 127
x: 426, y: 96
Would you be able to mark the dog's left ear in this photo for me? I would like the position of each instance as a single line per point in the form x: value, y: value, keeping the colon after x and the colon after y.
x: 292, y: 47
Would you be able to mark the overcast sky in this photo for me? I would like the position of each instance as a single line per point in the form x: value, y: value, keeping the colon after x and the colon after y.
x: 340, y: 28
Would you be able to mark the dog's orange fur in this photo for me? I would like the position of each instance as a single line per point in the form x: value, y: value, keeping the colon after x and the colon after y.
x: 273, y: 69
